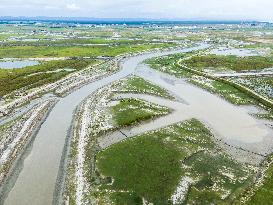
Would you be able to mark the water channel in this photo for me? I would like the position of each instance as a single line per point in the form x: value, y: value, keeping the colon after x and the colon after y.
x: 36, y: 175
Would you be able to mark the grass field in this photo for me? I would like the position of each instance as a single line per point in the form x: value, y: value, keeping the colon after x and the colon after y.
x: 131, y: 111
x: 167, y: 64
x: 264, y: 193
x: 261, y: 85
x: 226, y: 91
x: 150, y: 166
x: 151, y: 169
x: 229, y: 62
x: 139, y: 85
x: 47, y: 41
x: 35, y: 76
x: 73, y: 51
x: 4, y: 37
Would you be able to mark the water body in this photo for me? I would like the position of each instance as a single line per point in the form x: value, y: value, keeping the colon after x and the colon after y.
x: 35, y: 182
x: 21, y: 111
x: 17, y: 64
x: 234, y: 51
x: 230, y: 123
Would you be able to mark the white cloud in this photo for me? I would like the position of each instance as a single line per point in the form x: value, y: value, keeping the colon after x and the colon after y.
x: 72, y: 7
x: 183, y: 9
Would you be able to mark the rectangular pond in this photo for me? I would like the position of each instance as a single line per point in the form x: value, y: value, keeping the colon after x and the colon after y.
x: 11, y: 64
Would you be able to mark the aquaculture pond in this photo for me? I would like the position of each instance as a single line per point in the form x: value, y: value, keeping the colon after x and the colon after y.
x: 10, y: 64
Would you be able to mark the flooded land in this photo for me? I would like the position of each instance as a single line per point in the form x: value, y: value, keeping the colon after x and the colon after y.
x: 136, y: 114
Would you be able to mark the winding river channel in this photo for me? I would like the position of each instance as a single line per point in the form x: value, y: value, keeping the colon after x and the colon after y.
x: 37, y: 174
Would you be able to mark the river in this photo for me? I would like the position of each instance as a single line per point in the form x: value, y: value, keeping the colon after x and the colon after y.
x: 35, y: 177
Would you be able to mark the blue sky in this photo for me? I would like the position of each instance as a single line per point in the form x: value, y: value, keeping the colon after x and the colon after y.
x: 182, y: 9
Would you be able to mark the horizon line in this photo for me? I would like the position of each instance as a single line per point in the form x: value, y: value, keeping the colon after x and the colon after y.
x: 128, y: 18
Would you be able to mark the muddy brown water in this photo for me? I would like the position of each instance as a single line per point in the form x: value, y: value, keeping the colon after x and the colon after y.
x: 244, y: 137
x: 35, y: 176
x: 232, y: 123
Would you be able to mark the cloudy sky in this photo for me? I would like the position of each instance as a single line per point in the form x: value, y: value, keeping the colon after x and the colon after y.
x: 182, y: 9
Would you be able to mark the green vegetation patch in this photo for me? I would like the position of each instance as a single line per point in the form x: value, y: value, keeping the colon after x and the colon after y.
x: 151, y: 166
x: 74, y: 51
x: 220, y: 179
x: 139, y: 85
x: 44, y: 41
x: 268, y: 115
x: 126, y: 198
x: 264, y: 193
x: 226, y: 91
x: 261, y: 85
x: 4, y: 37
x: 229, y: 62
x: 131, y: 111
x: 168, y: 65
x: 35, y: 76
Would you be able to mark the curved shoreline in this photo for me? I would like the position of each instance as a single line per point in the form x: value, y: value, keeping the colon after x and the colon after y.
x: 191, y: 107
x: 23, y: 153
x: 81, y: 91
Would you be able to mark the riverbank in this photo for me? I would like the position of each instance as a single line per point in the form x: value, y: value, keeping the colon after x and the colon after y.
x: 47, y: 132
x: 241, y: 147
